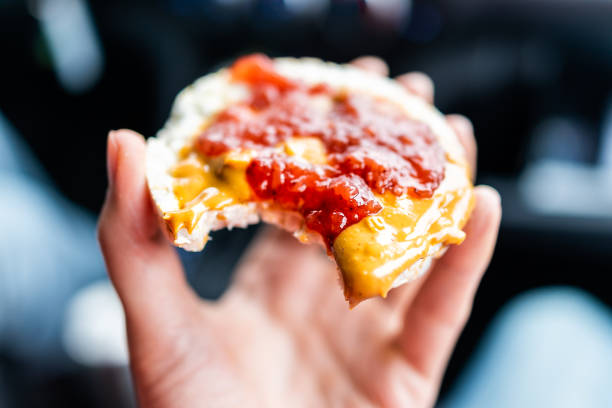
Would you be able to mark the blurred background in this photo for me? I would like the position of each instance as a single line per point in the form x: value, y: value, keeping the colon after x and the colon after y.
x: 534, y: 76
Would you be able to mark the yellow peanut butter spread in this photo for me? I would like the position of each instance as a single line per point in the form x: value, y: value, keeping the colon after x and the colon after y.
x: 377, y: 173
x: 372, y: 253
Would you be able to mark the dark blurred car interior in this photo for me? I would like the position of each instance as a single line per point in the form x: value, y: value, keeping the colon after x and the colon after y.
x: 534, y: 76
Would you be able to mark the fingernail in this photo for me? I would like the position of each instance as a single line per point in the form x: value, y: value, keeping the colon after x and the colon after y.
x: 111, y: 157
x: 462, y: 124
x: 418, y: 84
x: 372, y: 64
x: 493, y: 193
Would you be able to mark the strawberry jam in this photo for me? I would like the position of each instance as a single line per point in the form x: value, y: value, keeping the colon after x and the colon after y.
x: 328, y: 200
x: 372, y: 146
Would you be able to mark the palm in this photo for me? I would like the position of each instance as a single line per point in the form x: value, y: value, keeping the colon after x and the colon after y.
x: 282, y: 334
x: 289, y: 298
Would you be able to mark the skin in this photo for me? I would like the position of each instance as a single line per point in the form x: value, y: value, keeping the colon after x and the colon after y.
x: 283, y: 335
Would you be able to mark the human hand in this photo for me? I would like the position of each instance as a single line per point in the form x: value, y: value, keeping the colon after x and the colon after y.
x: 283, y: 335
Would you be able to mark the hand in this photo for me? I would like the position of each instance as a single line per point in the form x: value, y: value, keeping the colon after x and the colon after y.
x: 283, y: 335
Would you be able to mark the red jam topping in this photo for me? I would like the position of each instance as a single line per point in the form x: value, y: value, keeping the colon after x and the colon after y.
x: 371, y: 146
x: 328, y: 200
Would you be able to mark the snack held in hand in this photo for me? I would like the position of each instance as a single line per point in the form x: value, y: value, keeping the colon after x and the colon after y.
x: 337, y: 155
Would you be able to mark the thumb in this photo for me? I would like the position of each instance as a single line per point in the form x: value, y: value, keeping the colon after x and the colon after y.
x: 144, y: 269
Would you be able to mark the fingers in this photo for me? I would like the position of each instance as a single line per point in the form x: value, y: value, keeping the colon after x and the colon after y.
x: 372, y: 64
x: 422, y: 86
x: 441, y: 308
x: 144, y: 269
x: 465, y: 132
x: 418, y: 84
x: 401, y: 297
x: 127, y: 194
